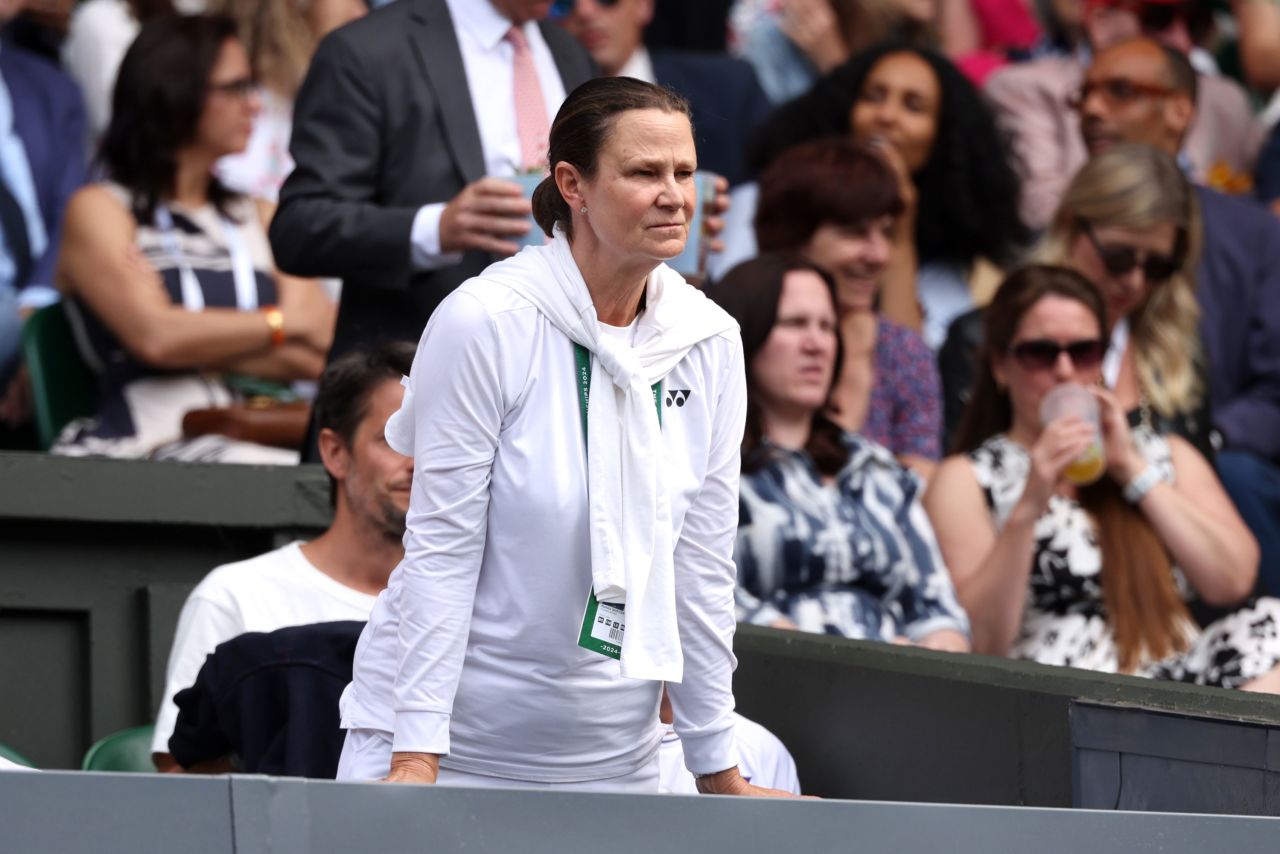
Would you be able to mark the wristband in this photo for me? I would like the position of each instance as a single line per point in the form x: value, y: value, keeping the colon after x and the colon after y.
x: 275, y: 322
x: 1137, y: 489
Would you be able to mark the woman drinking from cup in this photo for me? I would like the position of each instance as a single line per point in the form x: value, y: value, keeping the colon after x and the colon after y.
x: 1095, y: 576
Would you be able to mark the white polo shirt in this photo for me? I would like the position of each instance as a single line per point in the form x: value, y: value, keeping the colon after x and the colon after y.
x: 472, y: 651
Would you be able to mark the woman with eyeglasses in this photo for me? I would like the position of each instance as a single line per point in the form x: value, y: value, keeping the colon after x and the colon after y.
x: 1098, y: 576
x: 168, y: 273
x: 1130, y: 224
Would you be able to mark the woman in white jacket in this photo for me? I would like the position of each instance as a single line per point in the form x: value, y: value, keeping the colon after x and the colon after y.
x: 575, y: 415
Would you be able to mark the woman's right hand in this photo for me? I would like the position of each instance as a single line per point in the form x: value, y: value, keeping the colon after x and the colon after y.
x: 1061, y: 442
x: 308, y: 314
x: 413, y: 768
x: 906, y: 183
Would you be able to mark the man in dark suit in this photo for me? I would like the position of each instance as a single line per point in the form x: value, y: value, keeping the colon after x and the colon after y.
x: 724, y: 93
x: 394, y: 190
x: 42, y: 162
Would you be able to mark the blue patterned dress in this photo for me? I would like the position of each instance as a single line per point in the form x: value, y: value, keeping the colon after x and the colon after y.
x: 856, y: 557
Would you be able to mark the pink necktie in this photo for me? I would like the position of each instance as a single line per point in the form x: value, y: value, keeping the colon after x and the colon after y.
x: 531, y: 110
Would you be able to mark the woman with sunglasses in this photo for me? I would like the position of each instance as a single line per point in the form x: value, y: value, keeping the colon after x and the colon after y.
x: 1098, y: 576
x: 167, y: 271
x: 1130, y: 224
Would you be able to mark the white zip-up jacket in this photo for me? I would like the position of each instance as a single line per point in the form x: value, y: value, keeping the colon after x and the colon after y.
x: 472, y: 651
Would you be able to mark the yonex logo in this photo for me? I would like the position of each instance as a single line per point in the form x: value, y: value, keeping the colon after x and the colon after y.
x: 677, y: 396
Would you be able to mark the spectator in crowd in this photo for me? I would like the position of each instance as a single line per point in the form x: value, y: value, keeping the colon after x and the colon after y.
x: 41, y: 164
x: 838, y: 205
x: 1130, y: 224
x: 336, y: 576
x: 1036, y: 104
x: 400, y: 187
x: 98, y: 35
x: 956, y: 177
x: 172, y: 269
x: 280, y: 37
x: 831, y: 533
x: 727, y: 100
x: 1090, y: 576
x: 467, y: 655
x: 762, y: 758
x: 1237, y: 283
x: 793, y: 43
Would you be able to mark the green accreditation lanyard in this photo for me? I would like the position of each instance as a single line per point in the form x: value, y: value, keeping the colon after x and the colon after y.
x: 603, y: 623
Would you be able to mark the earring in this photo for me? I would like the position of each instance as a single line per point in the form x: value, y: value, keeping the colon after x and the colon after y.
x: 582, y: 210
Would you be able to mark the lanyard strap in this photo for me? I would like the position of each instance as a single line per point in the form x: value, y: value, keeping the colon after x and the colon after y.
x: 242, y: 270
x: 1114, y: 357
x: 582, y: 356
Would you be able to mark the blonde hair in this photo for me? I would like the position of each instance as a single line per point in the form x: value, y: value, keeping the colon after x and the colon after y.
x: 277, y: 37
x: 1136, y: 187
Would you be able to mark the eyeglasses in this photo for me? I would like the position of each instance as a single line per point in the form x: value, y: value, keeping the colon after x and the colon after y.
x: 564, y: 8
x: 243, y: 88
x: 1121, y: 260
x: 1041, y: 354
x: 1118, y: 90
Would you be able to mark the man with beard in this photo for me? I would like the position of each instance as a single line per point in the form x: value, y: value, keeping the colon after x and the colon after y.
x: 336, y: 576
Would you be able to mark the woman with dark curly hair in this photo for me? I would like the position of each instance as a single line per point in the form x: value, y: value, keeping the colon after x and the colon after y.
x: 955, y: 173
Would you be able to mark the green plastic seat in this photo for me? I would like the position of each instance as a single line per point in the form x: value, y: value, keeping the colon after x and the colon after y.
x: 63, y: 387
x: 14, y: 756
x: 126, y: 750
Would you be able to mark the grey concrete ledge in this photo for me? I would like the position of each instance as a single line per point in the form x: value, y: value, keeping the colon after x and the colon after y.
x: 45, y: 487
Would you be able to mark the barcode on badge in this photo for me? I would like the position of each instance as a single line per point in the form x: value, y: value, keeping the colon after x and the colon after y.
x: 610, y: 624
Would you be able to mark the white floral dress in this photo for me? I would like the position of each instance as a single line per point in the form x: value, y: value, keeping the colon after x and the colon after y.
x: 1065, y: 620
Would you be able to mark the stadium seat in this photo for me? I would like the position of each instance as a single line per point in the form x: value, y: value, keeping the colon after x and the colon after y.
x: 127, y: 750
x: 62, y: 385
x: 14, y: 756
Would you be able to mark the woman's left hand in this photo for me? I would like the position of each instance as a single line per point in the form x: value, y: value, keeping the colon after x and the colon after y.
x: 1124, y: 462
x: 945, y: 640
x: 730, y: 782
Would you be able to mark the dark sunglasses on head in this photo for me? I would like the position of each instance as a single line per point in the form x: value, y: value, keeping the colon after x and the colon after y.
x: 563, y: 8
x: 1041, y: 354
x: 1120, y: 260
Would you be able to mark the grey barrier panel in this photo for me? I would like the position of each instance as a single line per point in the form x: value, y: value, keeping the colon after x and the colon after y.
x: 138, y: 814
x: 1136, y: 759
x: 64, y: 813
x: 881, y: 722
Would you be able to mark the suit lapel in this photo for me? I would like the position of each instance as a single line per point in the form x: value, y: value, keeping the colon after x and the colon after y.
x: 571, y: 75
x: 437, y: 44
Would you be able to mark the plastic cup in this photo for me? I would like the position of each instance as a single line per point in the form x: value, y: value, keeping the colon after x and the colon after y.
x: 1067, y: 400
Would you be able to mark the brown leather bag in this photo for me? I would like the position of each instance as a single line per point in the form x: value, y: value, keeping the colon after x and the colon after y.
x: 260, y: 420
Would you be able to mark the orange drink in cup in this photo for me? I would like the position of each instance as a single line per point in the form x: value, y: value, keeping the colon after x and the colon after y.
x: 1071, y: 399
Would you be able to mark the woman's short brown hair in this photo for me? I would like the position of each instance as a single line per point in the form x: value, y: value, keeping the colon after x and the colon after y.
x: 827, y: 181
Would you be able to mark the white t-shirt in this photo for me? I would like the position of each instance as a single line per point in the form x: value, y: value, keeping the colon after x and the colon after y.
x: 472, y: 651
x: 262, y: 594
x: 762, y: 759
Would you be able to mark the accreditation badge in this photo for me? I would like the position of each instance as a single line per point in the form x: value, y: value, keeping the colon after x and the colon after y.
x: 603, y: 624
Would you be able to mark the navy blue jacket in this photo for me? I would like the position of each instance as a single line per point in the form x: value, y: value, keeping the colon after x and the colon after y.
x: 727, y: 104
x: 1238, y: 285
x: 48, y: 115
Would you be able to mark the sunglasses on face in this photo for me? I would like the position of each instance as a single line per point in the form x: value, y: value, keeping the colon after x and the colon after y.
x: 1120, y: 260
x: 564, y: 8
x: 1118, y: 90
x: 1041, y: 354
x: 242, y: 88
